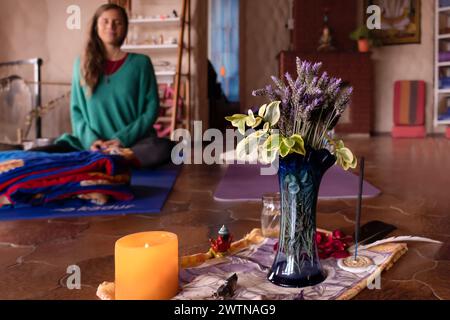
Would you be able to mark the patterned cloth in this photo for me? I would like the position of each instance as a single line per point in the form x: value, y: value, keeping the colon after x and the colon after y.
x: 253, y: 257
x: 36, y: 178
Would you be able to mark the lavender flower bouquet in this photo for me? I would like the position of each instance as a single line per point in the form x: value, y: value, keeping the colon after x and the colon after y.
x: 294, y: 127
x: 301, y: 113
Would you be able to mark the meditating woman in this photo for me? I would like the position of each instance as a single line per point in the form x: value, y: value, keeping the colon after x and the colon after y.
x: 114, y: 101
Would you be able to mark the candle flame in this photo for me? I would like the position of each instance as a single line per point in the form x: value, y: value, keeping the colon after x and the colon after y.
x: 146, y: 246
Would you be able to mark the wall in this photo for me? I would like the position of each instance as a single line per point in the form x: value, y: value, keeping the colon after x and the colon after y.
x: 309, y: 22
x: 30, y: 28
x: 37, y: 28
x: 405, y: 62
x: 356, y: 70
x: 264, y: 36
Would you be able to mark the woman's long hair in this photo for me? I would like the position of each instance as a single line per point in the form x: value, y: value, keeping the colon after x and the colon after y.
x: 94, y: 58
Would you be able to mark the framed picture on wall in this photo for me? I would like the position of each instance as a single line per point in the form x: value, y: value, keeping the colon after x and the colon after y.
x: 400, y: 21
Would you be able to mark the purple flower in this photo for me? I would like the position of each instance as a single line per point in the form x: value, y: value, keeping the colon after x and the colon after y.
x: 312, y: 98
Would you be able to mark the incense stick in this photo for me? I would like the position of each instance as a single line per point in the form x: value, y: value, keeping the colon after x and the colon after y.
x: 358, y: 208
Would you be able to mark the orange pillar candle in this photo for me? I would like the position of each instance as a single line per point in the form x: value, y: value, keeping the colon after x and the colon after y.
x: 146, y: 266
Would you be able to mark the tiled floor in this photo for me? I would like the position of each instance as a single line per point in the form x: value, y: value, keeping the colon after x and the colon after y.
x: 414, y: 176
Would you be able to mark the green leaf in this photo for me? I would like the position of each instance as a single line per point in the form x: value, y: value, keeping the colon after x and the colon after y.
x: 268, y: 156
x: 235, y: 117
x: 241, y: 126
x: 339, y: 144
x: 250, y: 119
x: 272, y: 142
x: 289, y: 142
x: 299, y: 145
x: 248, y: 147
x: 258, y: 121
x: 262, y: 110
x: 344, y: 156
x: 238, y: 121
x: 272, y: 114
x: 244, y: 148
x: 235, y: 123
x: 250, y: 122
x: 354, y: 163
x: 284, y: 149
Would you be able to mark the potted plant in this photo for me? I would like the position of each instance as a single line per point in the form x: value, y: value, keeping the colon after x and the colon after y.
x: 294, y: 128
x: 364, y: 37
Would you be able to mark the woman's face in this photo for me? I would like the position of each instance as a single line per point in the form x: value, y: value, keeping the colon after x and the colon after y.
x: 111, y: 27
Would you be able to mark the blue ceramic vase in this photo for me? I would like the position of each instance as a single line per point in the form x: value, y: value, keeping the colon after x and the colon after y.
x: 297, y: 262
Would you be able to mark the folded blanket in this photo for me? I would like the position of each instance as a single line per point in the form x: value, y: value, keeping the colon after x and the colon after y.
x: 35, y: 178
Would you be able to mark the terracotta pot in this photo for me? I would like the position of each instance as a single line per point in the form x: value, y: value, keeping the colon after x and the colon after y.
x: 363, y: 45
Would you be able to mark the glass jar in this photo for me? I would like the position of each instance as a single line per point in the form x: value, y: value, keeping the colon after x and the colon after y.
x: 270, y: 215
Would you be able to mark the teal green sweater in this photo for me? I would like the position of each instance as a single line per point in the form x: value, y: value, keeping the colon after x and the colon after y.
x: 123, y: 108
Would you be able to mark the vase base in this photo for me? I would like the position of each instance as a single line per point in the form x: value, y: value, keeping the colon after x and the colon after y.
x: 296, y: 282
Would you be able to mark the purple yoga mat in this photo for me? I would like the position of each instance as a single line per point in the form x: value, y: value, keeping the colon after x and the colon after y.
x: 243, y: 182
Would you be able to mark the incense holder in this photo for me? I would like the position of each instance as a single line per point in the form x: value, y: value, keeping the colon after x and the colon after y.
x: 358, y: 265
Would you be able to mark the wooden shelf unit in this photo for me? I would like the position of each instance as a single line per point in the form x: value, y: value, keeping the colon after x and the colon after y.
x: 179, y: 113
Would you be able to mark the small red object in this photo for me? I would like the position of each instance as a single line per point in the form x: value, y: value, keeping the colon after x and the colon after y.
x: 223, y: 241
x: 333, y: 245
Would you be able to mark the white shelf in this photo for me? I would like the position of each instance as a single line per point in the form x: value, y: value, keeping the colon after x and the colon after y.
x: 146, y: 26
x: 165, y: 73
x: 168, y: 119
x: 444, y: 36
x: 444, y: 93
x: 444, y: 9
x: 155, y: 20
x: 149, y: 46
x: 443, y: 121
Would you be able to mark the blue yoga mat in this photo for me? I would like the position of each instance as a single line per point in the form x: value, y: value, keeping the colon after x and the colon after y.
x: 150, y: 187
